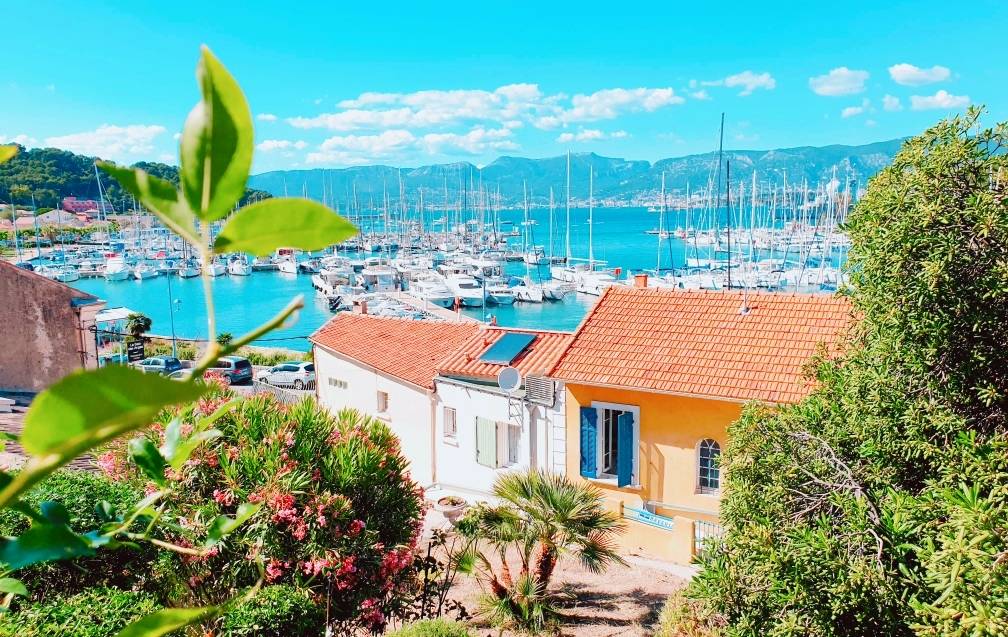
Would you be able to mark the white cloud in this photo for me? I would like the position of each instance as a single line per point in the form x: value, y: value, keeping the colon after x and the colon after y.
x: 700, y: 95
x: 750, y: 81
x: 111, y: 142
x: 24, y: 140
x: 870, y: 122
x: 508, y: 106
x: 266, y: 117
x: 940, y: 100
x: 475, y: 142
x: 891, y: 103
x: 910, y: 75
x: 854, y: 111
x: 270, y: 145
x: 589, y: 134
x: 839, y: 81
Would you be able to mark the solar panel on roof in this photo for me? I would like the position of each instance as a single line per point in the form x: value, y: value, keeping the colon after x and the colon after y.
x: 507, y: 348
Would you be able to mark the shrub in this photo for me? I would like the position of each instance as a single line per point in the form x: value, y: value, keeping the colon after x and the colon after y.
x: 276, y: 611
x: 340, y: 515
x: 684, y: 617
x: 877, y: 505
x: 95, y: 612
x: 432, y: 628
x: 79, y: 492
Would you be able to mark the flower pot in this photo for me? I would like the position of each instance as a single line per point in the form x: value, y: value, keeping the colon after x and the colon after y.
x: 451, y: 508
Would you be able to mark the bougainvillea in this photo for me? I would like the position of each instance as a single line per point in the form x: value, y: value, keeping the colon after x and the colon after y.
x: 340, y: 515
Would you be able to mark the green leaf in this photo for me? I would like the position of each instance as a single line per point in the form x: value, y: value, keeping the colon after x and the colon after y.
x: 167, y: 621
x: 216, y: 148
x: 7, y: 152
x: 147, y: 457
x: 98, y: 404
x: 54, y: 513
x: 13, y: 586
x: 283, y: 222
x: 42, y: 543
x: 158, y: 195
x: 187, y: 446
x: 222, y: 524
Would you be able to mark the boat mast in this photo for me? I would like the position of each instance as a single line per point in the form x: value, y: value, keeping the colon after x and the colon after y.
x: 551, y: 226
x: 661, y: 224
x: 591, y: 203
x: 567, y: 228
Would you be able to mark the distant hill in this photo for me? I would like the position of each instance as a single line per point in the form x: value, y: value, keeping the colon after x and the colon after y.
x: 618, y: 180
x: 51, y: 174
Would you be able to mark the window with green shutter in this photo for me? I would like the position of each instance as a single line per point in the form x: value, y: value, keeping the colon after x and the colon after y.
x: 486, y: 442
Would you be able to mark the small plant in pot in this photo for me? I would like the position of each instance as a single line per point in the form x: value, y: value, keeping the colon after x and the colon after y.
x: 452, y: 507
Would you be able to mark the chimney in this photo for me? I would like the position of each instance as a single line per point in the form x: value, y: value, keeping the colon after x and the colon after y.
x: 363, y: 306
x: 640, y: 281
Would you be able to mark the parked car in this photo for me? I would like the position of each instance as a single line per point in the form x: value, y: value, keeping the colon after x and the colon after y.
x: 163, y: 365
x: 181, y: 374
x: 234, y: 369
x: 296, y: 374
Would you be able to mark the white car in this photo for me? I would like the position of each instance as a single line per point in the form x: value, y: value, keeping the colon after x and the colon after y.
x: 299, y: 375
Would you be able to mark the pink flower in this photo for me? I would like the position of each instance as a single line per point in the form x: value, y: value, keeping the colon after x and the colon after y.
x: 274, y: 570
x: 300, y: 530
x: 371, y: 613
x: 111, y: 465
x: 223, y: 498
x: 355, y: 527
x: 232, y: 453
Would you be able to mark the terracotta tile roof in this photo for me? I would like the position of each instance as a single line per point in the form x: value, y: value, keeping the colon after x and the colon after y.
x: 699, y: 343
x: 406, y: 349
x: 538, y: 358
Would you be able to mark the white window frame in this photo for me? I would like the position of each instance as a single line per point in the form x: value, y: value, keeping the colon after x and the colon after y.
x: 382, y: 400
x: 453, y: 434
x: 599, y: 407
x: 701, y: 490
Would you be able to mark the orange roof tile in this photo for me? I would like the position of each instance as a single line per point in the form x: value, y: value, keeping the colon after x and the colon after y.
x: 538, y: 358
x: 404, y: 348
x: 699, y: 343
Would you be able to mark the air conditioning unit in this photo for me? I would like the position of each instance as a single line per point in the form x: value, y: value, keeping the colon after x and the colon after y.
x: 540, y: 389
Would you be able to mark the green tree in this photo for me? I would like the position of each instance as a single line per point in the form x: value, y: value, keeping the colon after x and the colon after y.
x: 224, y: 339
x: 137, y: 325
x: 541, y: 518
x: 878, y: 504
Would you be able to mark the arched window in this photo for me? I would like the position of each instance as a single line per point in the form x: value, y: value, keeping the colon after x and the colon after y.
x: 708, y: 466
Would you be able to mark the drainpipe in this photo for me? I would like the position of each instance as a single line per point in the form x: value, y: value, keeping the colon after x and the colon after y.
x: 433, y: 429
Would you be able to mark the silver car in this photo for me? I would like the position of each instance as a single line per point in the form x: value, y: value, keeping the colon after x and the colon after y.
x: 296, y: 374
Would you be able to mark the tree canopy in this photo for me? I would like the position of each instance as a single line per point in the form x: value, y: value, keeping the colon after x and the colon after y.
x: 51, y: 174
x: 879, y: 504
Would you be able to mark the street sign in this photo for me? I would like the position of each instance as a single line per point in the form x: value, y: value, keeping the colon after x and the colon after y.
x: 135, y: 351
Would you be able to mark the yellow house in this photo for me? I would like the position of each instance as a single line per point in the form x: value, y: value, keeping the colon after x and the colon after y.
x: 654, y: 376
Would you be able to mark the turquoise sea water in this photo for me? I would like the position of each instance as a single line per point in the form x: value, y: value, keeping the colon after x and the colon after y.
x: 244, y: 302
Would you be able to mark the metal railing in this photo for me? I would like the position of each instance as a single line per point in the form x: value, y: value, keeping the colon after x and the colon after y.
x: 286, y: 395
x: 704, y: 532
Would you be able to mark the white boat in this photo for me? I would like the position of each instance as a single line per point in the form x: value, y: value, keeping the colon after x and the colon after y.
x: 66, y: 274
x: 528, y: 293
x: 432, y: 289
x: 595, y: 282
x: 144, y: 270
x: 239, y: 266
x: 288, y: 266
x: 116, y: 269
x: 216, y: 268
x: 499, y: 294
x: 556, y: 290
x: 188, y: 269
x: 466, y: 288
x: 379, y: 277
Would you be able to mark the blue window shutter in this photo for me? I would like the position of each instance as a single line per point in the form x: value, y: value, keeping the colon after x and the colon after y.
x: 626, y: 453
x: 589, y: 442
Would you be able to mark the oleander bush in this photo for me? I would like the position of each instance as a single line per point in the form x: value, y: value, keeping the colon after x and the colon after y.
x: 340, y: 515
x: 276, y: 611
x: 94, y: 612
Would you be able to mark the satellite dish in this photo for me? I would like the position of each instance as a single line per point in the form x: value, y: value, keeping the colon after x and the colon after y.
x: 509, y: 379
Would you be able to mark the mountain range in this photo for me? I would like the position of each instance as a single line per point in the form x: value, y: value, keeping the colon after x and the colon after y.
x: 615, y: 180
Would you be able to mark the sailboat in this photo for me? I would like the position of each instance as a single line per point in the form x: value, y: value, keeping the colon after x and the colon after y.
x: 590, y: 280
x: 529, y: 292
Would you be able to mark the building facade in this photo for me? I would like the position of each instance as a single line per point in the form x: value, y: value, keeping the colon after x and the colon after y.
x: 48, y: 330
x: 653, y: 379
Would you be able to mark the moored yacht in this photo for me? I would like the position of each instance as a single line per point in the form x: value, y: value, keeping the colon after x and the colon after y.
x: 144, y: 270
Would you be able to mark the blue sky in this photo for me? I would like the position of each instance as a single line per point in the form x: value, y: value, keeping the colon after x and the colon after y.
x: 335, y: 84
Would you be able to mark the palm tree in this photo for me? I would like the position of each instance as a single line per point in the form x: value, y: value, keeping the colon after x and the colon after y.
x: 542, y: 517
x: 137, y: 325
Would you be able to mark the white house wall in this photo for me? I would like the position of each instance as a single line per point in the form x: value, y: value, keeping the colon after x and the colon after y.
x: 409, y: 407
x: 457, y: 469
